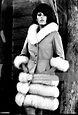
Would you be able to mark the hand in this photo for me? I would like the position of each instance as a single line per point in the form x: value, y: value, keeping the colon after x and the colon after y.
x: 25, y: 69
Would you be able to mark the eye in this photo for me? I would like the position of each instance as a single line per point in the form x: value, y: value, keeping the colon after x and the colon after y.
x: 40, y: 14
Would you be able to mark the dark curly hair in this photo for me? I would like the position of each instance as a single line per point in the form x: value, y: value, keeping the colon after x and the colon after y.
x: 46, y: 10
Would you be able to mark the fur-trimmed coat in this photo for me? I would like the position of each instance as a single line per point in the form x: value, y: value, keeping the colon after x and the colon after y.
x: 41, y: 46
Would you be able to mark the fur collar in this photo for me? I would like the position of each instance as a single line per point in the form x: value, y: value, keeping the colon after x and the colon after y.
x: 34, y: 37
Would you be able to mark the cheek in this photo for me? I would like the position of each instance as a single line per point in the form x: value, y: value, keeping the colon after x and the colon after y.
x: 45, y: 19
x: 37, y: 19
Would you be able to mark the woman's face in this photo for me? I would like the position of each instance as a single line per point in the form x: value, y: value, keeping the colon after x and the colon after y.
x: 41, y: 19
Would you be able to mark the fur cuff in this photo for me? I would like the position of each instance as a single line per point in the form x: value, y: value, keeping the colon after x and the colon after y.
x: 60, y: 64
x: 19, y: 60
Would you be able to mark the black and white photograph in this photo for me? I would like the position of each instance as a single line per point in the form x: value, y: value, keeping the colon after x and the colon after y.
x: 38, y: 57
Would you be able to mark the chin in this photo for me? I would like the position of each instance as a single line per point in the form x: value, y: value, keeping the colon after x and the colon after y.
x: 42, y: 24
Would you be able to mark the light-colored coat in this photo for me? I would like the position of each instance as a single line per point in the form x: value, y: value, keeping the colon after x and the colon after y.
x: 41, y: 47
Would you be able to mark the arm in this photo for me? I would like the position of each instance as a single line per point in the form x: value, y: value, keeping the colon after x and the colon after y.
x: 59, y: 62
x: 57, y: 43
x: 23, y: 57
x: 24, y: 51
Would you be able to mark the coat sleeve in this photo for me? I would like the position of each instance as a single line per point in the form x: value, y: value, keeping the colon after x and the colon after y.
x: 24, y: 51
x: 23, y: 57
x: 57, y: 42
x: 59, y: 62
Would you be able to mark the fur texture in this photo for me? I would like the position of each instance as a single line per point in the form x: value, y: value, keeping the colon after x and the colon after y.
x: 19, y: 60
x: 46, y: 79
x: 44, y: 90
x: 25, y: 77
x: 19, y: 99
x: 23, y: 87
x: 34, y: 37
x: 59, y: 63
x: 38, y: 89
x: 41, y: 102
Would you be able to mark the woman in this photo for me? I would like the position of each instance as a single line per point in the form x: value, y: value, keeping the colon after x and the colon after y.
x: 43, y: 45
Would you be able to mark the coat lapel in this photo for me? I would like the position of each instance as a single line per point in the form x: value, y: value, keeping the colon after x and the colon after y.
x: 34, y: 37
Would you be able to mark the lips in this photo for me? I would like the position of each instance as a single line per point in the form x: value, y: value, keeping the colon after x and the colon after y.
x: 41, y: 20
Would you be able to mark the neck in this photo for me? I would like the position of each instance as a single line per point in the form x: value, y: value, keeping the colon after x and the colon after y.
x: 41, y: 26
